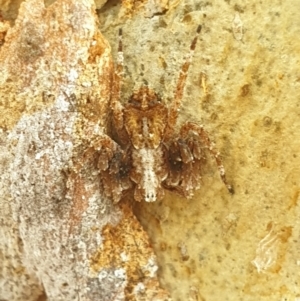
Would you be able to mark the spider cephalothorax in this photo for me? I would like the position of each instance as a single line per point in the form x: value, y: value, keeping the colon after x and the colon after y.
x: 144, y: 99
x: 151, y: 156
x: 144, y: 119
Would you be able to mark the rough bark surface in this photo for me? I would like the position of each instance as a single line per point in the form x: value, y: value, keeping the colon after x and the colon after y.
x: 55, y: 80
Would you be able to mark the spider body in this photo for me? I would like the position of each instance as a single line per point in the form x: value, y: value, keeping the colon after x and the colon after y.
x: 144, y: 120
x: 150, y: 155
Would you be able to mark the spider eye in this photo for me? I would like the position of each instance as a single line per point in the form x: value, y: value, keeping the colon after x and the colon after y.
x: 154, y: 100
x: 134, y: 102
x: 152, y: 103
x: 144, y: 99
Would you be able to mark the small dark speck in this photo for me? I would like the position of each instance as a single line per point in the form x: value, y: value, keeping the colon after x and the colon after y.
x: 238, y: 8
x: 259, y: 82
x: 245, y: 90
x: 187, y: 19
x: 201, y: 257
x: 227, y: 246
x: 277, y: 126
x: 267, y: 121
x: 162, y: 23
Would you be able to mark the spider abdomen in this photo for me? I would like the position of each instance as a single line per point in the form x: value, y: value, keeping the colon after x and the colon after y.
x: 148, y: 172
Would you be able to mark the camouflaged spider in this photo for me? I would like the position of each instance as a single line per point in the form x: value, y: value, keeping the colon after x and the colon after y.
x: 149, y: 154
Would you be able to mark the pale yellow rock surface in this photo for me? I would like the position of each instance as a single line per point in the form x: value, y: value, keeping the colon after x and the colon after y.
x: 243, y: 86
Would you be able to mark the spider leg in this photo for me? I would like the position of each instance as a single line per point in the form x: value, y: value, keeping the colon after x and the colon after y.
x: 185, y: 159
x: 116, y: 106
x: 112, y: 164
x: 115, y: 178
x: 102, y: 147
x: 174, y: 108
x: 198, y: 130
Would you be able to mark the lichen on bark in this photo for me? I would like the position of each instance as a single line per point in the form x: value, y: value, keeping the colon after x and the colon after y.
x: 55, y: 80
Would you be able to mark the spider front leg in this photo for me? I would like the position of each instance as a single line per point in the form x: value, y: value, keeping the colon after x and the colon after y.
x: 174, y: 108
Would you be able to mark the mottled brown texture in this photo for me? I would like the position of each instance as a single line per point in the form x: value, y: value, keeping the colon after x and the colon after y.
x: 152, y: 154
x: 126, y: 248
x: 144, y: 104
x: 55, y: 82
